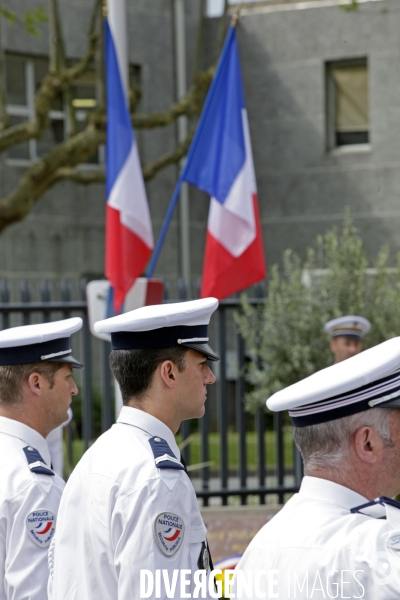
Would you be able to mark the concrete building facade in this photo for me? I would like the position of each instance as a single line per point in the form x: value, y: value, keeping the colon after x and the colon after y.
x: 305, y: 185
x: 305, y: 182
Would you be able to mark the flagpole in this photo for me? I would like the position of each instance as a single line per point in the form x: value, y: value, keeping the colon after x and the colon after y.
x: 165, y: 226
x: 182, y: 127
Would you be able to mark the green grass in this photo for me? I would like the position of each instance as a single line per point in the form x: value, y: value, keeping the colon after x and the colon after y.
x: 233, y: 450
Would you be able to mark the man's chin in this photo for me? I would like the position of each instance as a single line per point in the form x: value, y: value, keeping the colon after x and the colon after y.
x: 63, y: 420
x: 201, y: 412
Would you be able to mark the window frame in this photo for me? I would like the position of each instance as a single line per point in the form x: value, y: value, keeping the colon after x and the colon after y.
x: 27, y: 111
x: 330, y: 107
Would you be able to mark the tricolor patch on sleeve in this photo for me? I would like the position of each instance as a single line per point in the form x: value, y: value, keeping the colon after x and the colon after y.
x: 41, y: 526
x: 169, y: 530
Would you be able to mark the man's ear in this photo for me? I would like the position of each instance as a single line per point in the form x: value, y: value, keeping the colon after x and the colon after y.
x: 332, y: 345
x: 36, y: 382
x: 368, y: 445
x: 168, y: 373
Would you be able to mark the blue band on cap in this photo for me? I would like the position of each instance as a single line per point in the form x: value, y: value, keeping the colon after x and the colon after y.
x: 348, y: 334
x: 350, y: 403
x: 158, y: 338
x: 32, y: 353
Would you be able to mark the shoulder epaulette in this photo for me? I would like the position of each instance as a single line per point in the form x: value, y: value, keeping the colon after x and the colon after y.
x: 163, y: 455
x: 36, y: 462
x: 376, y: 507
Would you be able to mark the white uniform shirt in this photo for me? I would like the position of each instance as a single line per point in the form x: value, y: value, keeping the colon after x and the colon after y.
x: 106, y: 523
x: 23, y: 563
x: 315, y: 548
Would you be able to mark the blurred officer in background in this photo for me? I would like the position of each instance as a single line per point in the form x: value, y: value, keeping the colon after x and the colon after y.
x: 347, y: 335
x: 129, y: 504
x: 36, y: 388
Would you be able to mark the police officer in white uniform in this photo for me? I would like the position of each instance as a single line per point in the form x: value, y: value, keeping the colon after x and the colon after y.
x: 129, y: 505
x: 347, y: 335
x: 36, y: 388
x: 328, y: 541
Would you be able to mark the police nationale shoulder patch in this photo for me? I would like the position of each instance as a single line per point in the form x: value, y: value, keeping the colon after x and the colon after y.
x: 169, y: 530
x: 41, y: 526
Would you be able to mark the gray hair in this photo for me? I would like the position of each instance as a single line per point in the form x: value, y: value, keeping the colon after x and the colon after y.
x: 327, y: 445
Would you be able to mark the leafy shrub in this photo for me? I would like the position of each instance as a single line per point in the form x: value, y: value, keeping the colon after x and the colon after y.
x: 285, y: 336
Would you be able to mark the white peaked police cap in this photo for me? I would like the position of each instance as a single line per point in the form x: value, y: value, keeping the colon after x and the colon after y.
x: 162, y: 325
x: 351, y: 326
x: 40, y: 342
x: 369, y: 379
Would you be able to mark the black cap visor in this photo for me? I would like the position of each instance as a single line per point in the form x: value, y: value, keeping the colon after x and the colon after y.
x: 391, y: 404
x: 70, y: 360
x: 203, y: 348
x: 350, y: 336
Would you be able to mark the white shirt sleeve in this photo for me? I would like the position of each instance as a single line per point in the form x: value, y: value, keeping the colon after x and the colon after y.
x: 23, y: 563
x: 134, y: 535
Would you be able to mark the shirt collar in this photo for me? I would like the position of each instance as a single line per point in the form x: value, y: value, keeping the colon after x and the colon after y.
x: 328, y: 491
x: 150, y: 424
x: 26, y: 434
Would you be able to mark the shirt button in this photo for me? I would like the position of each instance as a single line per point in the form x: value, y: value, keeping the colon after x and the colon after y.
x: 157, y: 439
x: 30, y: 448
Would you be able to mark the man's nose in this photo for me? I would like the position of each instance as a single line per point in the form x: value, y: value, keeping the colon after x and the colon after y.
x: 210, y: 377
x: 74, y: 389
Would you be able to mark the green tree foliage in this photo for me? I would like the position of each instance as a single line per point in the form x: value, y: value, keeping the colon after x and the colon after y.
x: 285, y: 335
x: 30, y: 19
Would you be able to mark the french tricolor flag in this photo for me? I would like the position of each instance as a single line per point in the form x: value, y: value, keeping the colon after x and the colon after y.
x: 129, y: 236
x: 220, y: 162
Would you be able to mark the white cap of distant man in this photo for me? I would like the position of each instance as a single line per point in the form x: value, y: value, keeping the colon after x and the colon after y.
x: 369, y: 379
x: 48, y: 342
x: 162, y: 325
x: 351, y: 326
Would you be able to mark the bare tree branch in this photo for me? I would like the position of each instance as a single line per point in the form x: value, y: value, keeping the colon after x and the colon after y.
x: 58, y: 164
x: 78, y: 176
x: 100, y: 57
x: 189, y: 105
x: 4, y: 118
x: 52, y: 84
x: 96, y: 13
x: 149, y: 170
x: 61, y: 161
x: 56, y: 45
x: 199, y: 38
x: 42, y: 175
x: 58, y: 61
x: 170, y: 158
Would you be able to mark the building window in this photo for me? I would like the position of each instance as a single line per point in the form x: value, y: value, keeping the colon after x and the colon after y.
x: 347, y: 103
x: 84, y: 101
x: 23, y: 77
x: 84, y: 93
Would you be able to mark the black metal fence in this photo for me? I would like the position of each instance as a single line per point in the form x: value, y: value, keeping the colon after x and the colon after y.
x: 232, y: 455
